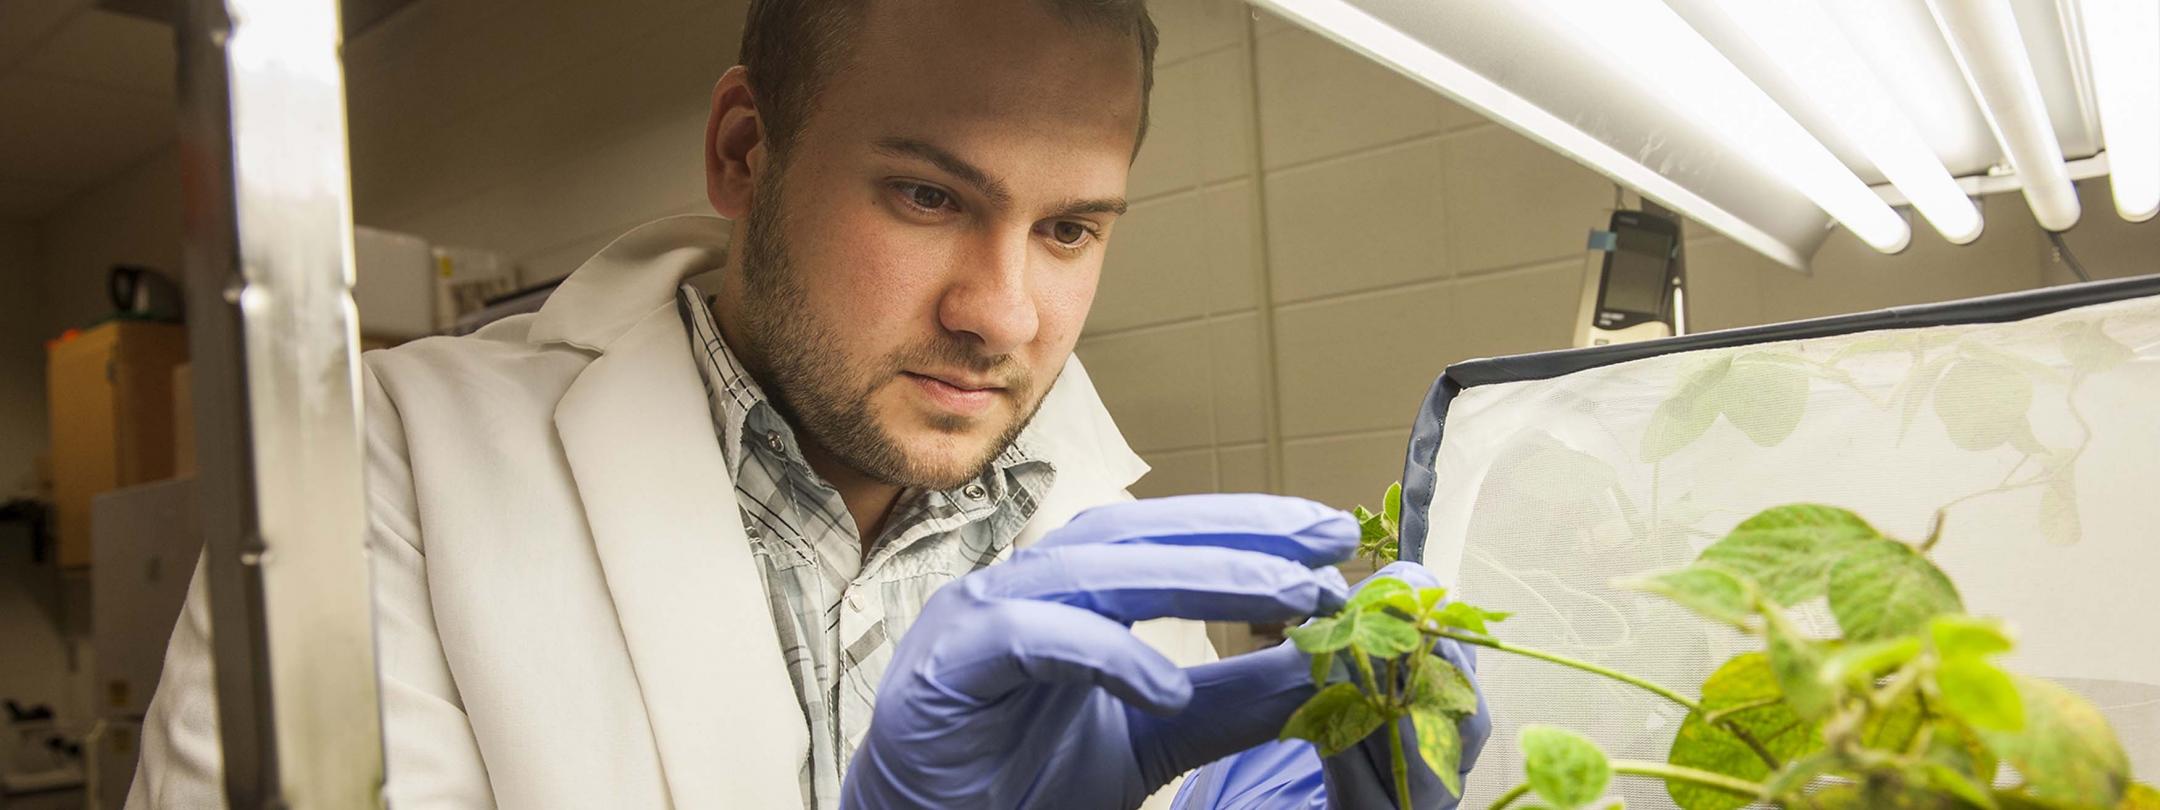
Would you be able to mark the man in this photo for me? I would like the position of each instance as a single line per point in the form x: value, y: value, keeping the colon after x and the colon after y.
x: 641, y: 549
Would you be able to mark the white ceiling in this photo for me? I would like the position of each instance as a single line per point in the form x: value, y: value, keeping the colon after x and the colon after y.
x: 84, y: 93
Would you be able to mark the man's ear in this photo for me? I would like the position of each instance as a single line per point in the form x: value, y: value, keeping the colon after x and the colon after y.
x: 734, y: 145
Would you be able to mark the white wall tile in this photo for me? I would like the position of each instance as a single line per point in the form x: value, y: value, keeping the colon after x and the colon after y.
x: 1156, y: 383
x: 1345, y: 472
x: 1179, y: 257
x: 1182, y: 473
x: 1199, y: 126
x: 1511, y: 201
x: 1361, y: 362
x: 1191, y: 27
x: 1242, y: 468
x: 1724, y: 282
x: 1319, y: 99
x: 1358, y: 223
x: 1235, y: 361
x: 1517, y: 311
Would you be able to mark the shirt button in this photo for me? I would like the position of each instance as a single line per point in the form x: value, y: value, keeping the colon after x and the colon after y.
x: 974, y: 492
x: 752, y: 532
x: 773, y: 443
x: 854, y: 602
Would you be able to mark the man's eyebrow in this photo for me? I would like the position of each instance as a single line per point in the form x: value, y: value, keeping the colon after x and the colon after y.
x: 948, y: 162
x: 1106, y: 205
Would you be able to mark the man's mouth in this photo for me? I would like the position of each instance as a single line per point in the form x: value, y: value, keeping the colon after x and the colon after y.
x: 957, y: 393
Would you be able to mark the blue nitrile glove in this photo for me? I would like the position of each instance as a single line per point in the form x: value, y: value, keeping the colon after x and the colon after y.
x: 1290, y: 773
x: 1021, y: 684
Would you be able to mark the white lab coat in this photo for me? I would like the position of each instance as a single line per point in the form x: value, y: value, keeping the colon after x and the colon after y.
x: 566, y: 610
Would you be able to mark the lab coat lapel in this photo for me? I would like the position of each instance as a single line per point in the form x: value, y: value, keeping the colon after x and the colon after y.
x: 638, y: 433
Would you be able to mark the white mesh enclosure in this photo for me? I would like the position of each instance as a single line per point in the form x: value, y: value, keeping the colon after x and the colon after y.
x: 2040, y: 437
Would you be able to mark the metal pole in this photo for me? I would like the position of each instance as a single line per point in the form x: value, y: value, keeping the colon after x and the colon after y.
x: 269, y: 260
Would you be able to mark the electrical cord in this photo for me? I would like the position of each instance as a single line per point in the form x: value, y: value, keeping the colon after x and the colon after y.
x: 2063, y: 249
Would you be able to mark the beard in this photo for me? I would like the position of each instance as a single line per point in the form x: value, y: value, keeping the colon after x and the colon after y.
x: 826, y: 395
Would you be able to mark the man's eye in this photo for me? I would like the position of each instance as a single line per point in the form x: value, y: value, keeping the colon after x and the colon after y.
x: 926, y: 197
x: 1070, y: 234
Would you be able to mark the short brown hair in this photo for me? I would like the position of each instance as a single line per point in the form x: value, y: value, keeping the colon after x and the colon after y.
x: 791, y: 46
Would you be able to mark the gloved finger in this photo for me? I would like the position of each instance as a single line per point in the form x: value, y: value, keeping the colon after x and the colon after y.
x: 1413, y: 574
x: 1291, y: 528
x: 1009, y: 644
x: 1131, y: 583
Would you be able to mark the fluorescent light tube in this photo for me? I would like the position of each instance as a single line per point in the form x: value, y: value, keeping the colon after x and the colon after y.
x: 1811, y: 51
x: 1984, y: 36
x: 1654, y: 47
x: 2122, y: 39
x: 1365, y: 34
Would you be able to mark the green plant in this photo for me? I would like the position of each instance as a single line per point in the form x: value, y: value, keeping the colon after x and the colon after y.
x: 1907, y: 709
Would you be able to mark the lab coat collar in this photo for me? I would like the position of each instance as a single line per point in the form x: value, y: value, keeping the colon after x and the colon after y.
x: 640, y: 270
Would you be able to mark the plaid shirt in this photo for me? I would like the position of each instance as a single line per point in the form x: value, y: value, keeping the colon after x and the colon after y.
x: 839, y: 611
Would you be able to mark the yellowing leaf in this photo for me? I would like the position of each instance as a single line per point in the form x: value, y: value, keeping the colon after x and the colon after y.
x: 2066, y: 751
x: 1374, y: 591
x: 1745, y: 680
x: 1334, y: 719
x: 1439, y: 743
x: 1443, y: 688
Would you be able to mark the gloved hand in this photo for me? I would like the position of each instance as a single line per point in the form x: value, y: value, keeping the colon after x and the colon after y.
x: 1021, y: 684
x: 1290, y: 773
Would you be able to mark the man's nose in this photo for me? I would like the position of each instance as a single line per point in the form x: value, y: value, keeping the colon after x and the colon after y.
x: 989, y: 297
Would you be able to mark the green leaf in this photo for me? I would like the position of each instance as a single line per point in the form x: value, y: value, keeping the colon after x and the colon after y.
x: 1788, y: 550
x: 2089, y: 349
x: 1744, y: 680
x: 1469, y: 617
x: 1391, y: 505
x: 1764, y: 398
x: 1979, y: 693
x: 1708, y: 590
x: 1982, y: 402
x: 1955, y: 746
x: 1948, y: 780
x: 1797, y: 773
x: 1957, y: 635
x: 1440, y: 687
x: 1326, y: 634
x: 1385, y: 636
x: 1439, y: 743
x: 1334, y: 719
x: 1860, y: 663
x: 1797, y: 661
x: 1323, y: 665
x: 1376, y: 591
x: 1563, y: 767
x: 2066, y: 752
x: 1362, y: 514
x: 1687, y: 414
x: 1885, y: 589
x: 1428, y: 597
x: 1893, y: 727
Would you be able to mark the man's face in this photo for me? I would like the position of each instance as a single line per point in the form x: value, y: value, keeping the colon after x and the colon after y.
x: 918, y: 270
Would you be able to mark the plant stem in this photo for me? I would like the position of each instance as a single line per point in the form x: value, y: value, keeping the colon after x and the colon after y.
x: 1510, y: 796
x: 1677, y: 773
x: 1402, y: 768
x: 1654, y: 687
